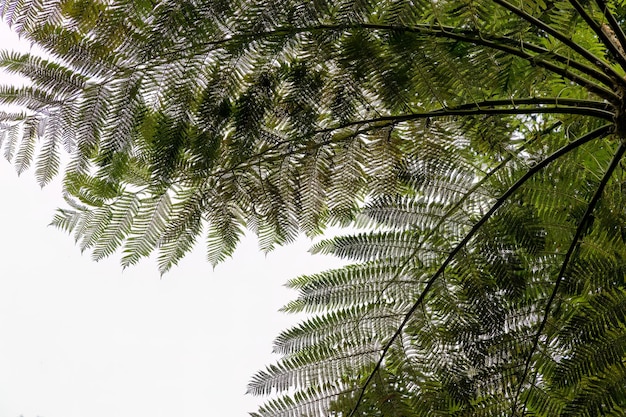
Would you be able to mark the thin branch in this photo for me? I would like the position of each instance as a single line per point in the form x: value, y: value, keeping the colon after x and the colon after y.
x: 567, y: 61
x: 474, y: 110
x: 580, y: 231
x: 538, y: 101
x: 587, y: 108
x: 598, y: 133
x: 540, y: 62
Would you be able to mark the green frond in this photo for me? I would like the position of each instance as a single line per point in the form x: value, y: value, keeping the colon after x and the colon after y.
x: 48, y: 161
x: 406, y: 212
x: 49, y: 75
x: 223, y: 233
x: 183, y: 228
x: 302, y: 369
x: 31, y: 97
x: 480, y: 317
x: 357, y: 324
x: 66, y: 220
x: 121, y: 219
x: 297, y: 72
x: 11, y: 141
x: 355, y: 285
x: 314, y: 178
x: 365, y: 247
x: 310, y: 402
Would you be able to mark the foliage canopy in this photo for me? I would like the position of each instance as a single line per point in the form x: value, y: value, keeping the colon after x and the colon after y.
x: 483, y: 139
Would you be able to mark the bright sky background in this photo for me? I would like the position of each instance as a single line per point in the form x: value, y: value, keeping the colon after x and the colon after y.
x: 86, y: 339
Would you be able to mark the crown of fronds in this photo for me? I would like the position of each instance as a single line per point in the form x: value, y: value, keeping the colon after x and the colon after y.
x: 484, y: 139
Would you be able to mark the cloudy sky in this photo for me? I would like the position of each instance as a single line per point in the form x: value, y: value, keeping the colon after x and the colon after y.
x: 86, y: 339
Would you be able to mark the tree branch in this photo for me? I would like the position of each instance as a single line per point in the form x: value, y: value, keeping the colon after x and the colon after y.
x: 476, y: 109
x: 581, y: 107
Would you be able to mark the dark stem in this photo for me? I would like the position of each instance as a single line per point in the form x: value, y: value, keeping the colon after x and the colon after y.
x: 540, y: 62
x: 584, y: 107
x: 506, y: 44
x: 512, y: 46
x: 474, y: 110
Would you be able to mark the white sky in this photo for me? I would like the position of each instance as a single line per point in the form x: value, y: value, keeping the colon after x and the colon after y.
x: 84, y: 339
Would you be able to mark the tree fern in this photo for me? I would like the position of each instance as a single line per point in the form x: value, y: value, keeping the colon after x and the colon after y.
x: 482, y: 138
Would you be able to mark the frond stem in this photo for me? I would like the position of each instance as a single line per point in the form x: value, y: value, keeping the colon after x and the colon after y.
x: 598, y: 133
x: 512, y: 46
x: 474, y: 110
x: 587, y: 107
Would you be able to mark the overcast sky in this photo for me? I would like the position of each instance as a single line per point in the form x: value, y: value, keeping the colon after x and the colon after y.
x: 84, y: 339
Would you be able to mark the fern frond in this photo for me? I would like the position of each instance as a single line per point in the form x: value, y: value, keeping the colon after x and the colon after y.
x: 24, y: 155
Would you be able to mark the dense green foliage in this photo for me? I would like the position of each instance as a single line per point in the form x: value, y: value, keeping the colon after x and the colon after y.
x: 482, y: 140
